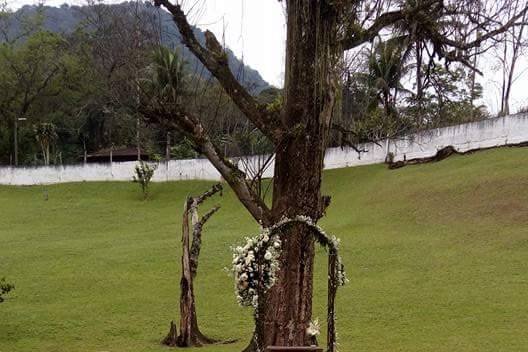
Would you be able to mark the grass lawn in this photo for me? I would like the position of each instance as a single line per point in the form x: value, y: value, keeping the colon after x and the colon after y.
x: 437, y: 257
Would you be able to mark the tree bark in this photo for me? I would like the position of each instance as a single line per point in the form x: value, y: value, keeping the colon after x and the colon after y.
x: 186, y: 285
x: 312, y: 56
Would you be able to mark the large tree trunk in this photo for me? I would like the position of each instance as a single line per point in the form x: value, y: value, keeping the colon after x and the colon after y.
x: 310, y: 87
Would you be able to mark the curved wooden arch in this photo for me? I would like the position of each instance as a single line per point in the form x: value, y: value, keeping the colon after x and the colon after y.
x: 334, y: 267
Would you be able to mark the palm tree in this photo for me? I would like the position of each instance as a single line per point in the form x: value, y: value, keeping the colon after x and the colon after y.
x: 416, y: 35
x: 168, y: 80
x: 386, y: 65
x: 46, y: 135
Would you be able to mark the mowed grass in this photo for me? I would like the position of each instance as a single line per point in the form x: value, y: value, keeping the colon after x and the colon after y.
x: 437, y: 257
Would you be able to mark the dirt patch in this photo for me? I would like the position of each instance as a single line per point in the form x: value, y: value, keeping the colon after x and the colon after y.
x: 501, y: 201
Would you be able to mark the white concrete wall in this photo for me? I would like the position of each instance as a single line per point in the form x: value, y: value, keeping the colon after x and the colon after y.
x: 476, y: 135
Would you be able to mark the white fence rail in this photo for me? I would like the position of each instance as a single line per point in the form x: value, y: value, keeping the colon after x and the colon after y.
x: 475, y: 135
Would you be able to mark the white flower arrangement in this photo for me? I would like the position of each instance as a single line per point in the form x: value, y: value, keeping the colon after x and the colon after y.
x: 257, y: 260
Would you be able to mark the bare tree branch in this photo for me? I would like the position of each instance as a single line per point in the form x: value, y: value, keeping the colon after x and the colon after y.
x: 209, y: 193
x: 192, y: 128
x: 513, y: 21
x: 445, y: 43
x: 214, y: 58
x: 354, y: 40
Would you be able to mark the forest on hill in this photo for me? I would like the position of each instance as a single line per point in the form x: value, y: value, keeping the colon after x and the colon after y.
x: 69, y: 74
x: 72, y: 80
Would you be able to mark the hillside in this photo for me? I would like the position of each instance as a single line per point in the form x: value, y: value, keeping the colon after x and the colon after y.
x: 437, y: 257
x: 66, y: 19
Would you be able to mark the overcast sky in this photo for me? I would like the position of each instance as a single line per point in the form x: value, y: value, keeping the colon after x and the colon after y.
x: 255, y: 31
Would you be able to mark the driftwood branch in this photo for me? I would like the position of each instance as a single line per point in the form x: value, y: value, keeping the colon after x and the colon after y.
x: 190, y: 334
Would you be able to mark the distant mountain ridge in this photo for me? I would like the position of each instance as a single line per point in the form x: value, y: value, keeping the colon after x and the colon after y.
x: 66, y: 18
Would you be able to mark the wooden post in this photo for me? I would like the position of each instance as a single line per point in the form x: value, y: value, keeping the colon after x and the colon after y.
x: 332, y: 290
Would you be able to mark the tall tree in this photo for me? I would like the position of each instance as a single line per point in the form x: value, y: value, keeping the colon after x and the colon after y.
x: 386, y: 70
x: 121, y: 39
x: 318, y: 31
x: 510, y: 47
x: 46, y: 135
x: 31, y: 73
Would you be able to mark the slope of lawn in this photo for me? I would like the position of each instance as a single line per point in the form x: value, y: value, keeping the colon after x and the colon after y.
x: 437, y: 257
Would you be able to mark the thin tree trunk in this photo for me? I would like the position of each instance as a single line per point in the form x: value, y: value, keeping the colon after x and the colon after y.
x: 516, y: 42
x: 47, y: 155
x: 85, y: 152
x: 517, y: 46
x: 504, y: 79
x: 473, y: 74
x: 332, y: 291
x: 419, y: 84
x: 15, y: 140
x: 167, y: 147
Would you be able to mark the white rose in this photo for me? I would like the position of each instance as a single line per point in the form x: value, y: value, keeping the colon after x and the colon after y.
x: 249, y: 259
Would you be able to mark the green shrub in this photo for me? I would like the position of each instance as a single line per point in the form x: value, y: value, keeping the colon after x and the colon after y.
x: 143, y: 175
x: 5, y: 288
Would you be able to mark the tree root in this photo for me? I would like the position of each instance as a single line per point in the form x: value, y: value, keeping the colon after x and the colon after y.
x: 445, y: 153
x: 197, y: 339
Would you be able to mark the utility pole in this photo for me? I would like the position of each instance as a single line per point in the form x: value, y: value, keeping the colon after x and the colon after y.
x: 167, y: 147
x: 137, y: 48
x: 15, y: 137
